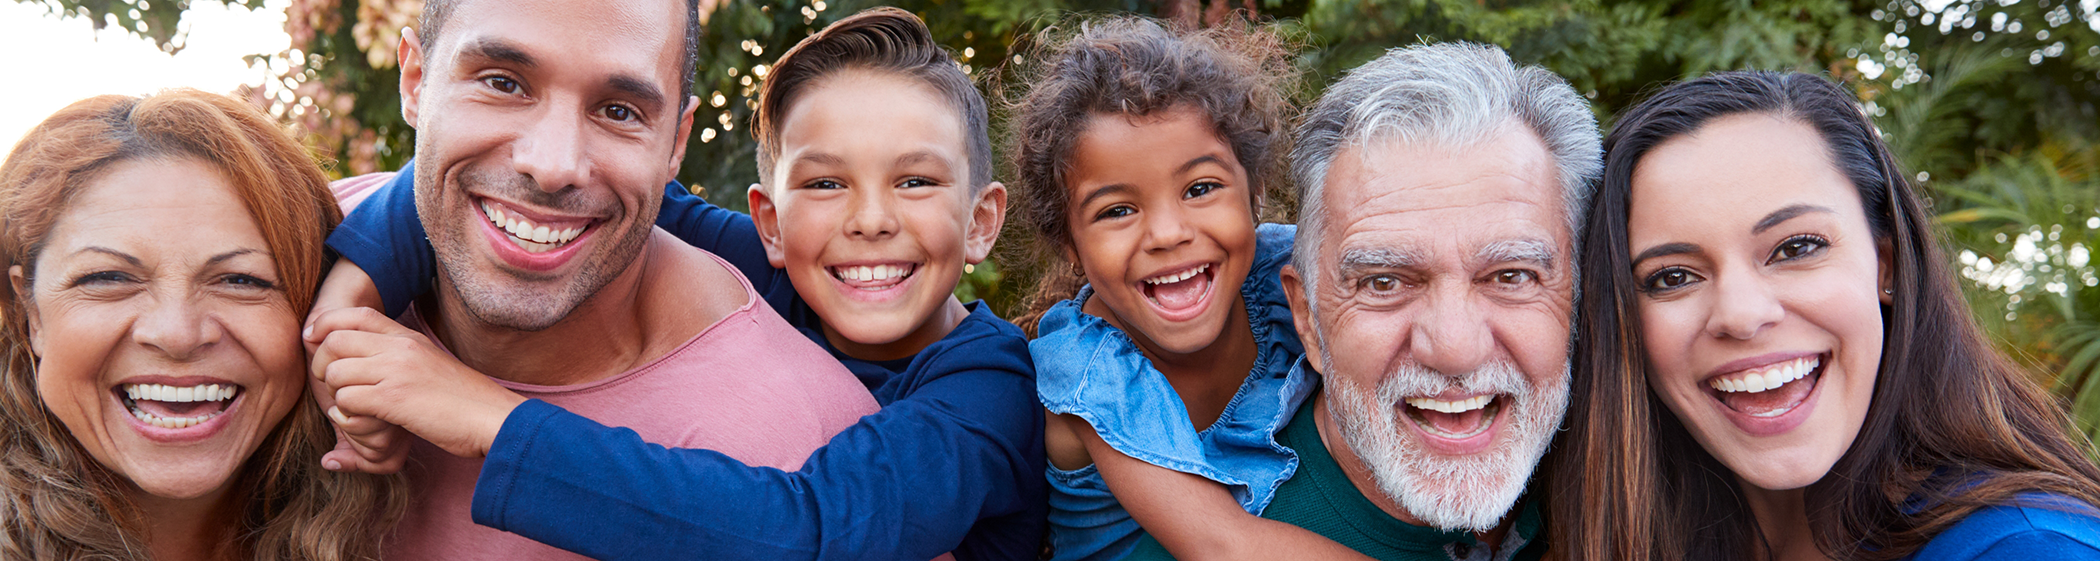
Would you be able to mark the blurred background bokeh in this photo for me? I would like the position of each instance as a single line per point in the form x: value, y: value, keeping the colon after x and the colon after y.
x: 1992, y: 105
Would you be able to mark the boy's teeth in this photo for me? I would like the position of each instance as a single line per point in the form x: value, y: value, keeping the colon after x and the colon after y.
x: 1178, y: 277
x: 872, y: 273
x: 1767, y: 378
x: 1442, y: 406
x: 173, y: 394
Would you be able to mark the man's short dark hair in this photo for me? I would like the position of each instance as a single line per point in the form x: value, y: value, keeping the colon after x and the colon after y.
x: 435, y: 12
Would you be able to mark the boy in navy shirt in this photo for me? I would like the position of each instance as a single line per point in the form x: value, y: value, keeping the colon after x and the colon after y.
x: 877, y: 192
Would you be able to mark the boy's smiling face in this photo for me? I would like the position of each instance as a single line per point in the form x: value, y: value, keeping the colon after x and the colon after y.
x: 870, y: 210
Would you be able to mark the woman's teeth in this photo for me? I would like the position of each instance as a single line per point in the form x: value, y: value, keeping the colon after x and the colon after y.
x: 177, y: 394
x: 1442, y: 406
x: 1171, y: 278
x: 1766, y: 378
x: 533, y: 237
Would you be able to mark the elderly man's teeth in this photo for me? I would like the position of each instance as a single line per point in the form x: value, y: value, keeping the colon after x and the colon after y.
x: 533, y: 237
x: 172, y: 422
x: 1767, y: 378
x: 174, y: 394
x: 1459, y: 406
x: 871, y: 272
x: 1171, y: 278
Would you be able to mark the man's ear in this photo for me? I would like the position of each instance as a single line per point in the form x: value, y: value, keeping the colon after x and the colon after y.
x: 1301, y: 312
x: 20, y: 284
x: 685, y: 132
x: 987, y: 216
x: 767, y: 219
x: 411, y: 59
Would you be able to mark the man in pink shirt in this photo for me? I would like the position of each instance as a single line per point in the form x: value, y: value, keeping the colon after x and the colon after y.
x: 545, y: 132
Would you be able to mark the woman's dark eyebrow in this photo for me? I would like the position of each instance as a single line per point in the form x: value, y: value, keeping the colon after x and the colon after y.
x: 1664, y: 249
x: 1785, y: 214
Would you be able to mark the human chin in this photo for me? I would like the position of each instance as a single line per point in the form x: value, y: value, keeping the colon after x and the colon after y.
x: 1789, y: 434
x: 876, y: 300
x: 1183, y: 306
x: 1413, y: 460
x: 179, y: 437
x: 527, y: 265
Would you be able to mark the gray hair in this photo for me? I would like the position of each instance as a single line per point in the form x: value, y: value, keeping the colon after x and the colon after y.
x: 1447, y: 94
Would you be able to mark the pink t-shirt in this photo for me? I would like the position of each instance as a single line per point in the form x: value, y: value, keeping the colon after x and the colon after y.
x: 749, y: 386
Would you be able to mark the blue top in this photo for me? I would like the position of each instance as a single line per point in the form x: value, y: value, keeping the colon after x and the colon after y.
x: 1088, y: 368
x: 950, y: 463
x: 2039, y: 526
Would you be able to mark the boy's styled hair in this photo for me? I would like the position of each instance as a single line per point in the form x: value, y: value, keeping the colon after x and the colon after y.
x: 1236, y: 75
x: 886, y: 39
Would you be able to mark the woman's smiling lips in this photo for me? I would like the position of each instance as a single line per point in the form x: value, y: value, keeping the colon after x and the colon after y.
x: 531, y: 240
x: 873, y: 281
x: 173, y: 410
x: 1180, y: 293
x: 1767, y: 395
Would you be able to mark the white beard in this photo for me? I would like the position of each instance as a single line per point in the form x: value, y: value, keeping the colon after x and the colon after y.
x: 1450, y: 493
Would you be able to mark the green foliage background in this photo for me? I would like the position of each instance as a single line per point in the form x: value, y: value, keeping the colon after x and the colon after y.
x: 1994, y: 105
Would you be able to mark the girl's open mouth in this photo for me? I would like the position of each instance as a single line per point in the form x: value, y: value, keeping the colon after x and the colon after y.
x: 1180, y: 295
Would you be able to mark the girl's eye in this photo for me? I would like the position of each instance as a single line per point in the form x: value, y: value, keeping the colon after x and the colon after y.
x: 1117, y: 211
x: 501, y: 84
x: 620, y: 113
x: 1797, y: 247
x: 1201, y: 189
x: 1668, y: 279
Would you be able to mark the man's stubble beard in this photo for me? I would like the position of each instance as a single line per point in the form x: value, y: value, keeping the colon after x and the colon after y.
x: 1471, y: 493
x: 488, y: 295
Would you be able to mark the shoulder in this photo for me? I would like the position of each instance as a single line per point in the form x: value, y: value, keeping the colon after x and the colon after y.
x: 2038, y: 526
x: 1272, y: 246
x: 351, y: 191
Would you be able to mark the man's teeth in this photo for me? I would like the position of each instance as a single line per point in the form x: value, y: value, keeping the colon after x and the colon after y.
x: 872, y: 273
x: 542, y: 237
x: 1767, y: 378
x: 1442, y: 406
x: 1171, y: 278
x: 175, y: 394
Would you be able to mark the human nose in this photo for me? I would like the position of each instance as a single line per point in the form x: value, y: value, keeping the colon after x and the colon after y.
x: 176, y: 326
x: 1167, y: 228
x: 1742, y: 307
x: 874, y: 216
x: 551, y: 151
x: 1451, y: 335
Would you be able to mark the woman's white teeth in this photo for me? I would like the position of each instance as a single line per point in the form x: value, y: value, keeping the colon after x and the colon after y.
x: 872, y: 273
x: 537, y: 238
x: 1767, y: 378
x: 1171, y: 278
x: 172, y: 422
x: 1442, y: 406
x: 176, y: 394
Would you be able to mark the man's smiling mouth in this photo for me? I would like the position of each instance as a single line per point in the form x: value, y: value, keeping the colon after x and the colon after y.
x: 531, y: 236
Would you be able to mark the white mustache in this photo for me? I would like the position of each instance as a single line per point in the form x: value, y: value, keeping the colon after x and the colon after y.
x: 1414, y: 380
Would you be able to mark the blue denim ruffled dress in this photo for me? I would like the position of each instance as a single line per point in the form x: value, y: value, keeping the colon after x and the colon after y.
x: 1088, y: 368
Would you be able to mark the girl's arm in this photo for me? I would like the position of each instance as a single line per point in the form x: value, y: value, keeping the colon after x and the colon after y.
x: 1194, y: 517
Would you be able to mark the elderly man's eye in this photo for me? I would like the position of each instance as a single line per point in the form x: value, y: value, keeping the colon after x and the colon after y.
x: 1516, y: 276
x: 1379, y: 283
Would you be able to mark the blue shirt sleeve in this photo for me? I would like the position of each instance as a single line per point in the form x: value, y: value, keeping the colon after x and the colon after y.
x: 384, y: 237
x: 960, y: 455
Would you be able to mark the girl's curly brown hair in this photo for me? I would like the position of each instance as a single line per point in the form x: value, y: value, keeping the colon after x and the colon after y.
x: 1238, y: 74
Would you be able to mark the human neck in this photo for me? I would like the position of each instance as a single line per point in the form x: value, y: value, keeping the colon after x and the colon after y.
x: 605, y: 335
x: 1783, y: 518
x: 1205, y: 379
x: 936, y: 326
x: 198, y: 529
x: 1360, y: 476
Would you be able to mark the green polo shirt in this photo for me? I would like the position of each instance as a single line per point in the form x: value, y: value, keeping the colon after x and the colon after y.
x: 1321, y: 498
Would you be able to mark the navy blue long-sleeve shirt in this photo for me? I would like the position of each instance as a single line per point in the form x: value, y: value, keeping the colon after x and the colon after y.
x: 952, y: 462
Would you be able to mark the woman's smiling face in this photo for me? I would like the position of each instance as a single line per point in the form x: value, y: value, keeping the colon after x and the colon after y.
x: 164, y: 340
x: 1163, y: 224
x: 1760, y: 295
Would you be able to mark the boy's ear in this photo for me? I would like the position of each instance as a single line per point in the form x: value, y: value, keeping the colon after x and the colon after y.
x: 1301, y: 311
x: 20, y: 284
x: 411, y: 59
x: 987, y: 216
x: 767, y: 219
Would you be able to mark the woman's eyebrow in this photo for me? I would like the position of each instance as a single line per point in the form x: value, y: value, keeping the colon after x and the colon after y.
x: 1785, y: 214
x: 1663, y: 250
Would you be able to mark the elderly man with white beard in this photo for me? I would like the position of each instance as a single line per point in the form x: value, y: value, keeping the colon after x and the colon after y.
x: 1433, y: 283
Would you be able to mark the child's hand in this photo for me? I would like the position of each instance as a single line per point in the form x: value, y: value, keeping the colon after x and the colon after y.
x: 380, y: 369
x: 362, y: 444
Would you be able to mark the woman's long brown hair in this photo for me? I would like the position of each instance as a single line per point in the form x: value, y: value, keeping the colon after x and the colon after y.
x: 57, y: 502
x: 1953, y: 426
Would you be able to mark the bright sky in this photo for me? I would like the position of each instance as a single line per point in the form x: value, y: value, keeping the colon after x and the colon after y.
x: 53, y: 62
